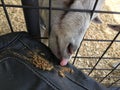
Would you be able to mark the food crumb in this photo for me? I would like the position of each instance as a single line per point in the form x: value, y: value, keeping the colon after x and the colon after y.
x: 61, y: 74
x: 41, y: 63
x: 63, y: 70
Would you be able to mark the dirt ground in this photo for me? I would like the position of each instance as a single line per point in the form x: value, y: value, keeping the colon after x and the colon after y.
x: 88, y: 49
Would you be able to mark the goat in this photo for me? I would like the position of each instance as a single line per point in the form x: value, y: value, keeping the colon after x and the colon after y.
x: 68, y: 27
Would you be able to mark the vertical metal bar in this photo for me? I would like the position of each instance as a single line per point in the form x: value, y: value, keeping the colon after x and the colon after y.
x: 50, y: 12
x: 114, y: 83
x: 77, y: 53
x: 82, y: 40
x: 110, y: 72
x: 7, y: 16
x: 104, y: 52
x: 96, y: 2
x: 32, y: 17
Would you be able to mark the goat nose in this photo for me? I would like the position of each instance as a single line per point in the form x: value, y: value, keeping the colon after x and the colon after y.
x: 71, y: 48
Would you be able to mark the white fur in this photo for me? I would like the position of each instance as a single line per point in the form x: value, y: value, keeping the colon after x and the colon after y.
x: 72, y: 28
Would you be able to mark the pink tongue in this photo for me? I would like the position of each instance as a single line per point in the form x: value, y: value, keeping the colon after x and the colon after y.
x: 64, y: 62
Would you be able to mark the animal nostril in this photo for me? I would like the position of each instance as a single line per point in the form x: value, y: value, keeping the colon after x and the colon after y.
x: 70, y: 48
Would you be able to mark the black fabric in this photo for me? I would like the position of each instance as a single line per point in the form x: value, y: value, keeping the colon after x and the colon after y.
x: 17, y: 73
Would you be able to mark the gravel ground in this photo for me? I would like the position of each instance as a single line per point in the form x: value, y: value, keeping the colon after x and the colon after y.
x: 89, y: 49
x: 95, y: 49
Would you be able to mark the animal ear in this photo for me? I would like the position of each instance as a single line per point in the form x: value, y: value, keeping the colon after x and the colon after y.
x: 97, y: 20
x: 114, y: 27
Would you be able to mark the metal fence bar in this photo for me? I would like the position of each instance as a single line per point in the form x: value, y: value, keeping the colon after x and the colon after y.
x: 63, y: 9
x: 107, y: 77
x: 96, y: 2
x: 110, y: 72
x: 7, y: 16
x: 83, y: 38
x: 104, y: 52
x: 32, y: 18
x: 76, y: 53
x: 100, y: 40
x: 115, y: 83
x: 50, y: 12
x: 99, y: 69
x: 115, y: 58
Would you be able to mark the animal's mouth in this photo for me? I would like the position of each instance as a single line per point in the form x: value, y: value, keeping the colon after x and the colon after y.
x: 64, y: 62
x: 60, y: 55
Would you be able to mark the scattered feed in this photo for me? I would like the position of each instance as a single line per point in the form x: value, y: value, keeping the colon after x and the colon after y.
x: 64, y: 70
x: 41, y: 63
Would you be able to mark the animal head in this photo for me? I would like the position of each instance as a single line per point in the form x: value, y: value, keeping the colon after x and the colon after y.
x: 69, y: 28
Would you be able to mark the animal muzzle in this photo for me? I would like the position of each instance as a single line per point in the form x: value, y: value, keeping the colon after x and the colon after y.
x: 69, y: 51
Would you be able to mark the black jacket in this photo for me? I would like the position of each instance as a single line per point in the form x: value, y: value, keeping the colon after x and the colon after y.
x: 17, y: 73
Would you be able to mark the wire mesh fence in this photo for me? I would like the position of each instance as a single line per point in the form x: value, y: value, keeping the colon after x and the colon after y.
x: 98, y: 65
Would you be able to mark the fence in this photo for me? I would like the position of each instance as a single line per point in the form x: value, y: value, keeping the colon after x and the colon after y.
x: 111, y: 76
